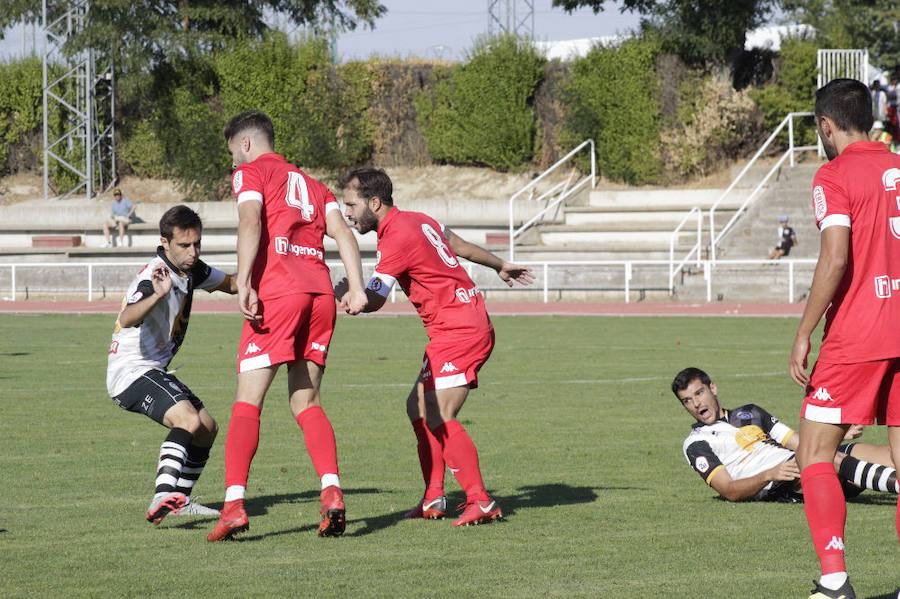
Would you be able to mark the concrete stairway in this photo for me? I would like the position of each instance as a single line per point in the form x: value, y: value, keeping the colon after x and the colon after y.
x: 756, y: 233
x: 753, y: 237
x: 627, y: 225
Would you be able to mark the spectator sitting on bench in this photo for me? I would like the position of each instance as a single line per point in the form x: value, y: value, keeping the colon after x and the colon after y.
x: 120, y: 216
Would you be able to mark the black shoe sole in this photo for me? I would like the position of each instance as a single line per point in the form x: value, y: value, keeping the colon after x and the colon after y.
x: 337, y: 523
x: 236, y: 530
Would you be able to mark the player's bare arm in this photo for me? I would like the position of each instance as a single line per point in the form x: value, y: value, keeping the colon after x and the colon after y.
x: 249, y: 226
x: 830, y: 270
x: 228, y: 285
x: 352, y: 299
x: 134, y: 314
x: 507, y: 271
x: 747, y: 488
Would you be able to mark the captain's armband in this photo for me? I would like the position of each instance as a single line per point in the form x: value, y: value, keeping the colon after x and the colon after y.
x: 381, y: 284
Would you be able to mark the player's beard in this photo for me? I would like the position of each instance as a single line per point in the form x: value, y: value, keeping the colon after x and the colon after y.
x: 830, y: 150
x: 367, y: 222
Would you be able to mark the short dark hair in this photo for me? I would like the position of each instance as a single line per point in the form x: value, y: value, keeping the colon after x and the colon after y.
x: 179, y: 216
x: 848, y: 103
x: 372, y: 182
x: 686, y: 377
x: 252, y: 119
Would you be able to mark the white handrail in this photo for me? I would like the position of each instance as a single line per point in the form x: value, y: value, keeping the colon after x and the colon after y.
x: 788, y: 120
x: 542, y: 267
x: 673, y: 269
x: 513, y: 232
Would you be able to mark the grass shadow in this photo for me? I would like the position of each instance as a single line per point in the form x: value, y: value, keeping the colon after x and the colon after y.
x: 532, y: 496
x: 547, y: 495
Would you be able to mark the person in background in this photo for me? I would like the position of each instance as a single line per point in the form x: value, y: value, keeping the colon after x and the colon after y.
x: 121, y: 212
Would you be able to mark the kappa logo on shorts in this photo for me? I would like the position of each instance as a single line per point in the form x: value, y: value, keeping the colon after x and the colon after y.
x: 448, y: 367
x: 251, y: 349
x: 822, y: 394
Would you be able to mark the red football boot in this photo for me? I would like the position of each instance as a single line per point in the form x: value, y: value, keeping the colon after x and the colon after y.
x: 333, y: 512
x: 433, y: 509
x: 232, y: 521
x: 480, y: 511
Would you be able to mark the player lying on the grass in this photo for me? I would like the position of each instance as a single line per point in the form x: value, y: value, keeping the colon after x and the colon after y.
x: 746, y: 453
x: 420, y: 254
x: 149, y: 330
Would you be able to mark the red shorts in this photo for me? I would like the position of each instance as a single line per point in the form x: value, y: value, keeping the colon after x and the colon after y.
x: 854, y: 393
x: 455, y: 363
x: 292, y: 327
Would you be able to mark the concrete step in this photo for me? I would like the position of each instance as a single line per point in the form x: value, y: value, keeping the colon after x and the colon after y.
x: 630, y: 240
x: 757, y: 282
x: 665, y: 199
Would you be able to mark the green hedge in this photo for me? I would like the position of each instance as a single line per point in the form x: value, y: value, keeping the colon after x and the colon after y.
x: 793, y: 91
x: 611, y: 96
x: 480, y: 112
x: 319, y: 111
x: 21, y: 107
x: 21, y: 117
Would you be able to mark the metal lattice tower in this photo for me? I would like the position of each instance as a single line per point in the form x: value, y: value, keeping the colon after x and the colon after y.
x: 514, y: 17
x: 81, y: 100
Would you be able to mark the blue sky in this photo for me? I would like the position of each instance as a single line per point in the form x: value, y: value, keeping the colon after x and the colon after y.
x: 432, y: 29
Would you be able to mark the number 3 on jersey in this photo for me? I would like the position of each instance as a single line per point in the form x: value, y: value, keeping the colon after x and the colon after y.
x: 298, y: 195
x: 441, y: 247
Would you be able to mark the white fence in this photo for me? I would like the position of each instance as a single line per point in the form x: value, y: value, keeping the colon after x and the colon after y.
x: 628, y: 277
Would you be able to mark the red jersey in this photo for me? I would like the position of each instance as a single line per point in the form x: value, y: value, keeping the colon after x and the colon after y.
x: 413, y: 251
x: 291, y: 257
x: 859, y: 189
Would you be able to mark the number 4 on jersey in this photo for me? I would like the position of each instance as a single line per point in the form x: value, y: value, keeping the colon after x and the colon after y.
x: 298, y: 195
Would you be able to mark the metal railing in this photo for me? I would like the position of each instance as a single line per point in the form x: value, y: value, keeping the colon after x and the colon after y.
x: 789, y: 121
x: 620, y: 272
x: 562, y: 189
x: 673, y: 268
x: 790, y: 263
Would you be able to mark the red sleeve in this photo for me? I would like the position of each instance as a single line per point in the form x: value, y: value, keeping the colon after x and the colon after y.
x: 246, y: 183
x: 392, y: 260
x: 830, y: 199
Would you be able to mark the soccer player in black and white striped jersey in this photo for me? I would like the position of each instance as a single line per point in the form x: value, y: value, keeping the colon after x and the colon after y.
x: 148, y: 332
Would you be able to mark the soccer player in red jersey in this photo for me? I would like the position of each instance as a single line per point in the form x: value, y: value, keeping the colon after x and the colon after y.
x: 857, y: 280
x: 417, y: 252
x: 286, y: 297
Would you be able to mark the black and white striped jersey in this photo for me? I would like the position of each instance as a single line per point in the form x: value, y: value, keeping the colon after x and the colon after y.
x: 152, y: 344
x: 746, y: 441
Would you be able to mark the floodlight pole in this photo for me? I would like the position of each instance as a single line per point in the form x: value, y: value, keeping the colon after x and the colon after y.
x: 85, y: 146
x: 514, y: 17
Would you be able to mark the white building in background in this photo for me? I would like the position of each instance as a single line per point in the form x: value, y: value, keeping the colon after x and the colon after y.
x: 566, y: 50
x: 767, y: 38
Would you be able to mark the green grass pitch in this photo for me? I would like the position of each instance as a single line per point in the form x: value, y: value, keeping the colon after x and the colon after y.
x: 579, y: 439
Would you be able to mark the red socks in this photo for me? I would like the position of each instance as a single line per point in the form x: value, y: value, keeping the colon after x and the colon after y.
x: 826, y: 512
x: 431, y: 459
x: 241, y: 442
x: 319, y: 438
x: 462, y: 458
